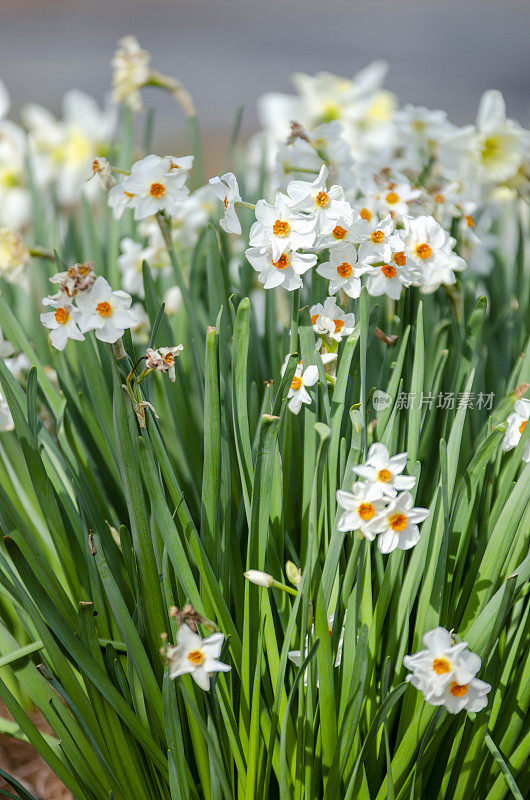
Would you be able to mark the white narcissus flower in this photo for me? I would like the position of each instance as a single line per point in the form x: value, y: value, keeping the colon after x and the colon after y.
x: 130, y: 262
x: 389, y: 279
x: 227, y: 190
x: 396, y: 198
x: 298, y: 394
x: 397, y: 526
x: 517, y: 421
x: 280, y: 228
x: 63, y: 322
x: 105, y: 311
x: 445, y: 673
x: 385, y: 471
x: 284, y: 270
x: 379, y: 241
x: 360, y: 507
x: 131, y: 71
x: 343, y: 271
x: 329, y: 319
x: 312, y: 197
x: 14, y: 255
x: 430, y: 248
x: 195, y: 656
x: 156, y: 184
x: 172, y: 300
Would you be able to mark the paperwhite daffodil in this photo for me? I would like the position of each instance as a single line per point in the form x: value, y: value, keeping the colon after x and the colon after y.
x: 389, y: 279
x: 280, y: 228
x: 361, y: 506
x: 298, y: 393
x: 62, y: 322
x: 130, y: 262
x: 14, y: 256
x: 105, y: 311
x: 312, y: 197
x: 395, y: 199
x: 197, y: 657
x: 343, y: 271
x: 227, y: 190
x: 284, y: 270
x: 385, y: 471
x: 517, y: 421
x: 377, y: 240
x: 445, y: 673
x: 131, y: 71
x: 329, y: 319
x: 430, y: 247
x: 397, y: 525
x: 156, y: 183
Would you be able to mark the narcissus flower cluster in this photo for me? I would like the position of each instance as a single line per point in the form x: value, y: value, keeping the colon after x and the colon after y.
x: 382, y: 505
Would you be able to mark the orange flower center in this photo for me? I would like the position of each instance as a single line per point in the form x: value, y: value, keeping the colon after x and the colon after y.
x: 441, y: 666
x: 296, y: 383
x: 400, y: 259
x: 365, y: 214
x: 62, y: 316
x: 196, y: 657
x: 366, y: 511
x: 392, y: 198
x: 457, y: 690
x: 169, y: 359
x: 339, y: 232
x: 104, y: 309
x: 321, y: 199
x: 470, y: 221
x: 339, y: 325
x: 377, y: 237
x: 423, y: 250
x: 314, y: 318
x: 84, y: 270
x: 389, y: 271
x: 384, y: 475
x: 226, y: 203
x: 398, y: 522
x: 129, y: 194
x: 522, y: 426
x: 344, y: 270
x: 282, y: 263
x: 439, y: 198
x: 281, y: 228
x: 157, y: 190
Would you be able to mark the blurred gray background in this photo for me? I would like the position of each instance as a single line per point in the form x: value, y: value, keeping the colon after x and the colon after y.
x: 442, y: 53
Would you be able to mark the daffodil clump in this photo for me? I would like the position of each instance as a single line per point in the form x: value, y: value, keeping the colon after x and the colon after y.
x: 264, y: 453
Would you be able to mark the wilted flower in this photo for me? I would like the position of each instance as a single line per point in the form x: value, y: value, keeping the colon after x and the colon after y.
x: 329, y: 319
x: 445, y: 673
x: 101, y: 167
x: 77, y: 278
x: 163, y: 359
x: 195, y: 656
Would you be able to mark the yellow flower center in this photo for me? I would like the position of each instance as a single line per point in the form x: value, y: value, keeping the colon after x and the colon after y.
x: 392, y: 198
x: 522, y: 426
x: 321, y: 200
x: 226, y: 202
x: 339, y: 232
x: 157, y: 190
x: 457, y: 690
x: 104, y: 309
x: 366, y: 511
x: 296, y: 384
x: 377, y: 237
x: 423, y: 250
x: 365, y: 214
x: 62, y: 316
x: 400, y: 259
x: 439, y: 198
x: 196, y: 657
x: 281, y: 228
x: 282, y: 263
x: 441, y: 666
x: 398, y: 522
x: 344, y: 270
x: 129, y: 194
x: 339, y: 325
x: 389, y: 271
x: 470, y: 221
x: 384, y: 475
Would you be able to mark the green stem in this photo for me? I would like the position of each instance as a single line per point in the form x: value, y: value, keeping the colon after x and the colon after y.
x: 295, y: 310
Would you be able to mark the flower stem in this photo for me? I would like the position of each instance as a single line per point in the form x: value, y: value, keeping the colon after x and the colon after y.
x: 295, y: 310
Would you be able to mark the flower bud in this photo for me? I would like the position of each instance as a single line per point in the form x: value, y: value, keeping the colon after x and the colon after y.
x: 259, y: 578
x: 294, y: 575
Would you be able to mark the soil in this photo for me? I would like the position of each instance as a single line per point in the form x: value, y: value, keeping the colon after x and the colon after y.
x: 22, y: 761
